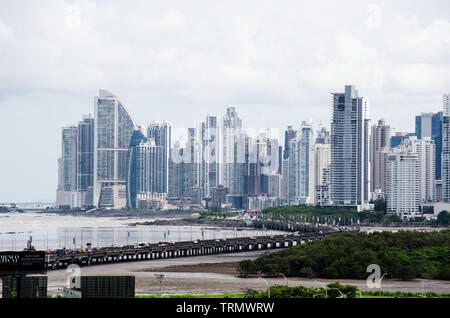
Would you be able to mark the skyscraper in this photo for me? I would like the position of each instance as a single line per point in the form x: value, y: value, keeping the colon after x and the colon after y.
x: 403, y: 185
x: 114, y: 128
x: 430, y: 125
x: 299, y: 165
x: 446, y: 150
x: 145, y: 168
x: 379, y: 141
x: 289, y: 134
x: 161, y: 133
x: 210, y: 154
x: 233, y: 146
x: 85, y: 161
x: 425, y: 149
x: 350, y: 148
x: 319, y: 164
x: 67, y: 166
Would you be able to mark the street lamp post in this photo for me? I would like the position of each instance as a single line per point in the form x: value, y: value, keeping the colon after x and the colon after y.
x: 160, y: 278
x: 287, y: 284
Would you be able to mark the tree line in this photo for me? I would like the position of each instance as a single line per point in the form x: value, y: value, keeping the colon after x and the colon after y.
x: 404, y: 255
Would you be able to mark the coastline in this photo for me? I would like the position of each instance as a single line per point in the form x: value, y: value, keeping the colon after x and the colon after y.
x: 214, y: 274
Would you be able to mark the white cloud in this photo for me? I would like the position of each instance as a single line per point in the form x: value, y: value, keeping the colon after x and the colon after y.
x: 179, y: 60
x: 6, y: 33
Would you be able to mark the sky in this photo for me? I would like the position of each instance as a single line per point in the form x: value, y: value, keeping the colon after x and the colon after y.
x: 277, y: 62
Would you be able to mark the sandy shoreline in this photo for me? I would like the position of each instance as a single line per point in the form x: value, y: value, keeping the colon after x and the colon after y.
x: 216, y: 274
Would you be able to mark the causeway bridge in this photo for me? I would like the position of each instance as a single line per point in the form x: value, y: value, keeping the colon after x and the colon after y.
x: 163, y: 250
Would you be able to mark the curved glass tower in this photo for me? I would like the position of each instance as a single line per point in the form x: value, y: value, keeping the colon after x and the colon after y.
x: 114, y: 128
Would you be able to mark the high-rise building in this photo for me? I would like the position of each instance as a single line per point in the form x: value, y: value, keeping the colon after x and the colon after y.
x: 219, y: 195
x: 379, y: 143
x: 350, y: 148
x: 114, y: 128
x: 145, y: 175
x: 430, y: 125
x: 285, y: 179
x: 289, y: 134
x: 319, y: 163
x: 210, y: 154
x: 233, y: 152
x: 67, y: 166
x: 403, y: 185
x: 299, y: 165
x: 446, y: 150
x: 161, y: 133
x: 425, y: 149
x: 323, y: 136
x: 178, y: 172
x: 398, y: 138
x: 85, y: 161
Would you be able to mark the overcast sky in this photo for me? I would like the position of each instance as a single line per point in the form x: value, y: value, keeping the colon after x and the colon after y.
x: 276, y: 61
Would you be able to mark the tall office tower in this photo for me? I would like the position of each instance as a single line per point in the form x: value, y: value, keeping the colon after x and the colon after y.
x: 299, y: 165
x: 161, y: 133
x: 274, y: 185
x: 289, y: 134
x: 178, y: 181
x: 379, y: 141
x: 285, y: 179
x: 403, y: 185
x: 430, y: 125
x: 307, y: 141
x: 193, y: 157
x: 145, y: 172
x: 446, y: 150
x: 350, y: 148
x: 425, y: 149
x: 280, y: 160
x: 323, y: 136
x: 233, y: 150
x: 85, y: 161
x: 257, y: 155
x: 319, y: 162
x: 293, y: 171
x: 114, y: 128
x: 210, y: 154
x: 67, y: 166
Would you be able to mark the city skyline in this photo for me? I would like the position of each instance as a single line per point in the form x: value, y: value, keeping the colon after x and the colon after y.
x: 183, y: 132
x: 277, y: 64
x: 221, y: 163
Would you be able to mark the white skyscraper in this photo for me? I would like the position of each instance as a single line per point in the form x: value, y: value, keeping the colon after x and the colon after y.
x: 350, y: 148
x: 67, y: 166
x: 446, y: 150
x: 403, y: 185
x: 232, y: 153
x: 300, y: 154
x: 319, y: 162
x: 210, y: 155
x: 425, y: 149
x: 114, y: 128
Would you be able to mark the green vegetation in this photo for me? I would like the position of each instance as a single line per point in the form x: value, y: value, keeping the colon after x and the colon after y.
x: 443, y: 218
x: 333, y: 290
x: 226, y: 295
x: 405, y: 255
x: 347, y: 216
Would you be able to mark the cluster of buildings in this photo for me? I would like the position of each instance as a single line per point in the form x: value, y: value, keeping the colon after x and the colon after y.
x: 110, y: 162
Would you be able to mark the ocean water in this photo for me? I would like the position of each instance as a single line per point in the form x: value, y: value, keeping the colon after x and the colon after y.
x: 52, y: 231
